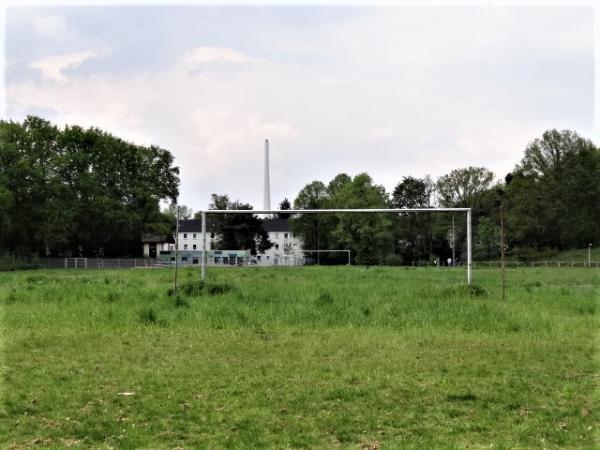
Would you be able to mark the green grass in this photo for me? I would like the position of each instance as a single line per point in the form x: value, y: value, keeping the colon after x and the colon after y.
x: 300, y: 358
x: 576, y: 255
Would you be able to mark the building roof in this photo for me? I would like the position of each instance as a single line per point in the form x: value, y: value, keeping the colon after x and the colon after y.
x: 276, y: 224
x: 195, y: 225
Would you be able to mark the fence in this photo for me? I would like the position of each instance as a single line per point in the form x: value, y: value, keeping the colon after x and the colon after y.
x: 96, y: 263
x: 130, y: 263
x: 593, y: 264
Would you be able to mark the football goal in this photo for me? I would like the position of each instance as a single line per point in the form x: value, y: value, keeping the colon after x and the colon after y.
x: 466, y: 211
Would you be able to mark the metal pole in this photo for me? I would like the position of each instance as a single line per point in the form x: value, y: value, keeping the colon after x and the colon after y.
x: 349, y: 260
x: 176, y: 248
x: 502, y: 252
x: 203, y: 263
x: 453, y: 242
x: 469, y: 256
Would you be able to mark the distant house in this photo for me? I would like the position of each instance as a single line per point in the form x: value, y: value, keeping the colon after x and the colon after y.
x: 286, y: 250
x: 155, y: 243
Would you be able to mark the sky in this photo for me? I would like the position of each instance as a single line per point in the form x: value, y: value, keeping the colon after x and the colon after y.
x: 391, y: 91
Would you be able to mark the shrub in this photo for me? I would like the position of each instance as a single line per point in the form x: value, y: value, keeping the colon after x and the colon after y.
x: 393, y: 260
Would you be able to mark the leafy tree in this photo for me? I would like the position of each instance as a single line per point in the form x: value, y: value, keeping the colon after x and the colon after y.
x: 463, y: 188
x: 412, y: 193
x: 185, y: 212
x: 83, y: 191
x: 412, y: 232
x: 237, y: 231
x: 285, y: 205
x: 487, y: 242
x: 313, y: 229
x: 368, y: 236
x: 553, y: 194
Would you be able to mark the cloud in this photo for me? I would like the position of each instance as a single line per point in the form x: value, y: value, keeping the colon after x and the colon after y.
x: 52, y: 67
x: 382, y: 133
x: 52, y: 27
x: 449, y: 88
x: 204, y: 55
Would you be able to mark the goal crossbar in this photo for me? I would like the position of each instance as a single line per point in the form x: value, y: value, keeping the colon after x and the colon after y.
x: 341, y: 211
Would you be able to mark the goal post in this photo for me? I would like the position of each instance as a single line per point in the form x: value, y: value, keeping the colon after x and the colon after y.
x: 467, y: 211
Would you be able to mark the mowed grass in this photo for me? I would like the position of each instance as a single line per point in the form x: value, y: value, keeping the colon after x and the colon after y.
x: 311, y: 357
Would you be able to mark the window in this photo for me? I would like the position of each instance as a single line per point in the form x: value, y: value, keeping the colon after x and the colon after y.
x: 185, y: 235
x: 194, y: 247
x: 212, y: 235
x: 276, y: 246
x: 194, y: 235
x: 285, y: 235
x: 268, y: 257
x: 258, y: 258
x: 184, y: 258
x: 185, y: 246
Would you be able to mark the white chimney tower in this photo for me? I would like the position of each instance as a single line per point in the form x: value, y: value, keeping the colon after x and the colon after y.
x: 267, y: 182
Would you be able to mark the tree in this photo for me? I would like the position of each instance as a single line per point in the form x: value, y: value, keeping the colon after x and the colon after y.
x: 238, y: 231
x: 185, y: 212
x: 284, y: 206
x: 412, y: 193
x: 412, y: 232
x: 313, y: 229
x: 553, y: 194
x: 79, y: 190
x: 463, y: 188
x: 547, y: 156
x: 367, y: 235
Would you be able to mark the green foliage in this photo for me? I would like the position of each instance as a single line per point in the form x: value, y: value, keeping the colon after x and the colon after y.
x: 487, y: 245
x: 463, y: 188
x: 553, y: 194
x: 237, y: 231
x: 365, y: 235
x: 79, y: 190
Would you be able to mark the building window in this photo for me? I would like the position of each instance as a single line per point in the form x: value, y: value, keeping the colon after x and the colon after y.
x: 185, y: 246
x: 276, y: 246
x: 258, y: 257
x: 194, y: 235
x: 212, y: 235
x: 285, y: 235
x: 268, y: 257
x: 185, y: 235
x: 184, y: 258
x: 194, y: 247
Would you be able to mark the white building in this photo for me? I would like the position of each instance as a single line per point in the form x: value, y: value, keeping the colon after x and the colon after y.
x: 286, y: 249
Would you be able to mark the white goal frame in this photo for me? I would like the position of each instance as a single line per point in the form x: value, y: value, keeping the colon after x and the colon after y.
x: 340, y: 211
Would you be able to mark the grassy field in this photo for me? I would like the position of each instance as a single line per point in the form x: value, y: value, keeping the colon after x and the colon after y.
x: 300, y: 358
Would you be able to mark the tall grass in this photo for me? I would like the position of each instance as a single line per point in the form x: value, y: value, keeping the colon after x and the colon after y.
x: 304, y: 358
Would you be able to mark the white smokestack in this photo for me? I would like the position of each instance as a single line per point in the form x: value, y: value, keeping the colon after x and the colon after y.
x: 267, y: 183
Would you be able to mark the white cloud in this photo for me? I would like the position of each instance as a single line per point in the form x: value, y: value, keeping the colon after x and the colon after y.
x: 52, y: 67
x: 448, y: 89
x: 203, y: 55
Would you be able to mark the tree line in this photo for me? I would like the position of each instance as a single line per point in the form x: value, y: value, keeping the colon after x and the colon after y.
x: 85, y: 192
x: 79, y: 192
x: 551, y: 201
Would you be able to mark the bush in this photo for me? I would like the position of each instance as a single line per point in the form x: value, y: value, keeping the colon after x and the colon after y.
x: 393, y: 260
